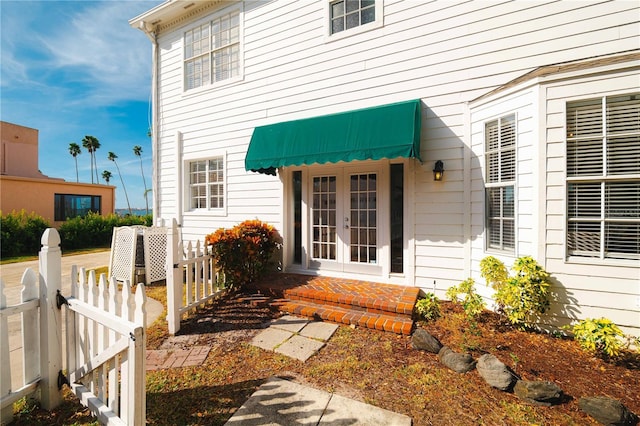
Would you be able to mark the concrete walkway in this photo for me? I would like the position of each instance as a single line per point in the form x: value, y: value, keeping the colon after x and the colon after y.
x: 12, y: 276
x: 282, y: 402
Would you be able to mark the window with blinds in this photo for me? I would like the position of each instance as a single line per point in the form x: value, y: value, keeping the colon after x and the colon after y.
x: 500, y: 161
x: 206, y: 184
x: 212, y: 51
x: 603, y: 177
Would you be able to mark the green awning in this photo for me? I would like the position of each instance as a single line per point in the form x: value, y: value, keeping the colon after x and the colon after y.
x: 388, y: 131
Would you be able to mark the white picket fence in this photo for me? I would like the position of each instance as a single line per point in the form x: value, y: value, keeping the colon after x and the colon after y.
x: 192, y: 279
x: 106, y: 348
x: 105, y: 341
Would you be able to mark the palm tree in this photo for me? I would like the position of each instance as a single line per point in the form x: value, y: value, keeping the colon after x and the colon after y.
x: 112, y: 157
x: 92, y: 144
x: 137, y: 150
x: 74, y: 150
x: 106, y: 175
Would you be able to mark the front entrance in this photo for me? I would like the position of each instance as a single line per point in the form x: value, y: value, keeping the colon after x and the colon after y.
x: 341, y: 219
x: 344, y: 217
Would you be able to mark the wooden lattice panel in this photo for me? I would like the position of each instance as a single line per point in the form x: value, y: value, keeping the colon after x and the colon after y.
x: 123, y: 253
x: 155, y: 253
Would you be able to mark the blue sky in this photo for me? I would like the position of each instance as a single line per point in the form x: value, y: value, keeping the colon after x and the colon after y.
x: 76, y: 68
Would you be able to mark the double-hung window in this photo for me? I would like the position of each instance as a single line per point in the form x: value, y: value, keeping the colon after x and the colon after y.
x: 500, y: 160
x: 347, y: 14
x: 207, y: 184
x: 603, y: 177
x: 212, y: 51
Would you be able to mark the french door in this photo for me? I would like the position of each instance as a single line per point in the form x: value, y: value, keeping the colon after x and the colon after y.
x: 344, y: 218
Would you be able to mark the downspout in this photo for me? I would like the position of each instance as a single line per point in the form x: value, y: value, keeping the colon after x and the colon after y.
x: 151, y: 33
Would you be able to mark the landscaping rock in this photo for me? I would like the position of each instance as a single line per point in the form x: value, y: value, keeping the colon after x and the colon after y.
x: 424, y: 341
x: 495, y: 372
x: 460, y: 363
x: 607, y: 411
x: 538, y: 392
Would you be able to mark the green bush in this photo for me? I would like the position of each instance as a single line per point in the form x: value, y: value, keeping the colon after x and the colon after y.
x: 494, y: 272
x: 523, y: 296
x: 599, y: 336
x: 20, y: 233
x: 472, y: 303
x: 428, y: 307
x: 94, y: 230
x: 244, y: 252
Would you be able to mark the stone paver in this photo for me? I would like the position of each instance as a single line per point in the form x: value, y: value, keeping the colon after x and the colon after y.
x: 299, y: 347
x: 290, y: 323
x: 197, y: 356
x: 176, y: 358
x: 295, y: 337
x: 155, y: 359
x: 319, y: 330
x: 270, y: 338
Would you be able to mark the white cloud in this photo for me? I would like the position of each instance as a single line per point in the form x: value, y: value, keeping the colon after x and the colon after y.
x: 99, y: 50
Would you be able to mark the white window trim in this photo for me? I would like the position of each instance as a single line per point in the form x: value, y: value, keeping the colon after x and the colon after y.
x: 503, y: 252
x: 377, y: 23
x: 186, y: 202
x: 585, y: 260
x: 230, y: 81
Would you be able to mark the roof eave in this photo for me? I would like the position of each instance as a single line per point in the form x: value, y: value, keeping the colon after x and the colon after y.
x: 160, y: 14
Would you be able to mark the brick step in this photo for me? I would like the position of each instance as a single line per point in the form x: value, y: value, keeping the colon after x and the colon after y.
x: 341, y: 315
x: 380, y: 299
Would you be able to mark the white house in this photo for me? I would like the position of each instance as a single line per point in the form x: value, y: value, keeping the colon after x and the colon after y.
x: 327, y: 119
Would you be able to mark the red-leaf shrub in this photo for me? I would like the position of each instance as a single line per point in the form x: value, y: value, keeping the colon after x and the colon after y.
x: 245, y: 251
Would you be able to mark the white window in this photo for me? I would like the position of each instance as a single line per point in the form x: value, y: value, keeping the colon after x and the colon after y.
x: 603, y: 177
x: 212, y: 51
x: 500, y: 160
x: 207, y: 184
x: 347, y: 14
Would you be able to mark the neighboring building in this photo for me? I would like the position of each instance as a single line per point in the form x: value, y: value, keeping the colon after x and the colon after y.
x: 22, y: 186
x: 328, y: 118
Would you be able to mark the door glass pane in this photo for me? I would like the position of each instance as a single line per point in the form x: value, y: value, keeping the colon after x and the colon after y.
x: 363, y: 234
x: 324, y: 218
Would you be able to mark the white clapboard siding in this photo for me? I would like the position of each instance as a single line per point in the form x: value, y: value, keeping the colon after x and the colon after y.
x: 582, y: 288
x: 586, y: 283
x: 445, y: 54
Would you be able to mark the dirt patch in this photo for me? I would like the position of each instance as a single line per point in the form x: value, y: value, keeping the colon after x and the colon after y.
x: 384, y: 369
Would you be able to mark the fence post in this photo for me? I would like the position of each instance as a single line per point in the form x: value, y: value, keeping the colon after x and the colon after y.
x: 50, y: 266
x: 174, y: 279
x: 6, y: 414
x: 30, y: 335
x: 139, y: 380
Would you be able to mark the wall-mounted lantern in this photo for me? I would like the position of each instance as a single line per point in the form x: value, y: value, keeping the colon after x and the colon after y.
x: 438, y: 171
